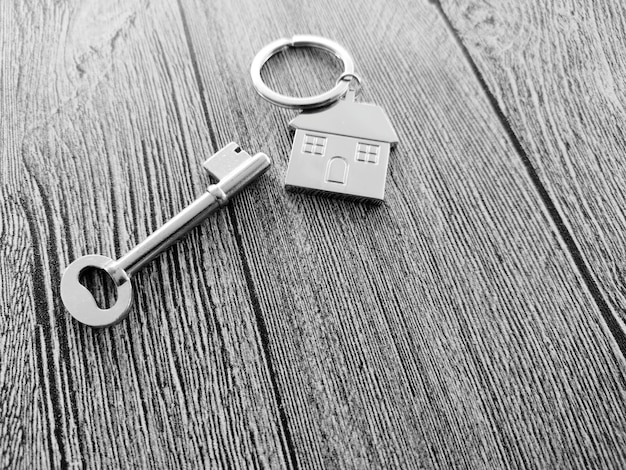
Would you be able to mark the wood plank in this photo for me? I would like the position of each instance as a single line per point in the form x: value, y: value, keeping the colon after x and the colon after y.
x: 101, y: 145
x: 556, y: 71
x: 448, y: 328
x: 467, y: 341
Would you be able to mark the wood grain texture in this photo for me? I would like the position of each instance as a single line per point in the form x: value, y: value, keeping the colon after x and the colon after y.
x: 556, y: 72
x: 102, y: 153
x: 444, y: 329
x: 447, y: 328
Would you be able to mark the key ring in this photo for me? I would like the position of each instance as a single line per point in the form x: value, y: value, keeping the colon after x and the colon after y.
x: 340, y: 146
x: 309, y: 102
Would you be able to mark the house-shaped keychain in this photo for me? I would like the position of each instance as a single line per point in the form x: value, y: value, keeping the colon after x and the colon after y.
x: 342, y: 150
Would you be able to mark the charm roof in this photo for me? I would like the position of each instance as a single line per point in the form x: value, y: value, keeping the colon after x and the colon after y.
x: 349, y: 118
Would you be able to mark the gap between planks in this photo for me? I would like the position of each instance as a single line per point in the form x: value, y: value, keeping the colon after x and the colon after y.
x: 565, y: 238
x: 263, y: 336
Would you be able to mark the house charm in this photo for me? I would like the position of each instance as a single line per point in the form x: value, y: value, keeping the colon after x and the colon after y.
x: 342, y: 150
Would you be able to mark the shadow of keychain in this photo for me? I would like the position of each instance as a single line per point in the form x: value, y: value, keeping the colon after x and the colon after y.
x: 341, y: 147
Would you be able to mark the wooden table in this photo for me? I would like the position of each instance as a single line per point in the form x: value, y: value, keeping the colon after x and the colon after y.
x: 475, y: 320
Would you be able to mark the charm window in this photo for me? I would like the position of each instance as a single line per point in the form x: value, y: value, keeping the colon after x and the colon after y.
x: 314, y: 144
x: 367, y: 153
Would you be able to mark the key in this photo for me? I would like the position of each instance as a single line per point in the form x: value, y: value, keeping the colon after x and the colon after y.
x: 231, y: 166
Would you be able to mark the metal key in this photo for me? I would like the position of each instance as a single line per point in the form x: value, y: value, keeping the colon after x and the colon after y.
x: 231, y: 166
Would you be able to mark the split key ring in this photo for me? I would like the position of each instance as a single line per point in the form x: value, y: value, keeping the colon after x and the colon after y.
x: 310, y: 102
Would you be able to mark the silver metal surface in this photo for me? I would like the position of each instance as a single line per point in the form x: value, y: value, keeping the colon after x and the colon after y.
x: 340, y: 147
x: 310, y: 102
x: 79, y: 301
x: 234, y: 169
x: 347, y: 77
x: 342, y: 150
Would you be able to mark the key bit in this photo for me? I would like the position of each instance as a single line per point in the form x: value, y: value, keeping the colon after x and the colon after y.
x: 231, y: 166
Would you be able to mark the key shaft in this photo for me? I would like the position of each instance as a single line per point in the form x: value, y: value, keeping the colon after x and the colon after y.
x: 231, y: 166
x: 179, y: 225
